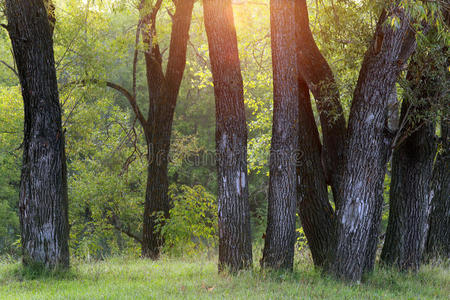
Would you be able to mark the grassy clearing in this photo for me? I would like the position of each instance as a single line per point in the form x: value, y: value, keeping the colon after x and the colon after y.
x: 126, y: 278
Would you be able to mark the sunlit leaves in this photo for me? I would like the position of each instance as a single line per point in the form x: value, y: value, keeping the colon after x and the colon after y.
x: 11, y: 123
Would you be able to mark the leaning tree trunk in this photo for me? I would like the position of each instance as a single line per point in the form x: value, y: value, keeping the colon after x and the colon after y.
x: 362, y: 171
x: 43, y: 188
x: 315, y: 211
x: 163, y: 94
x: 317, y: 165
x: 320, y: 79
x: 438, y: 242
x: 390, y: 130
x: 235, y: 248
x: 412, y: 168
x: 280, y: 235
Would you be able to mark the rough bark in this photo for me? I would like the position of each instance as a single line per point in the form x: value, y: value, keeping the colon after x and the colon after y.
x: 438, y: 241
x: 280, y: 235
x: 235, y: 248
x: 163, y: 92
x: 390, y: 130
x: 315, y: 210
x: 412, y: 168
x: 358, y: 192
x: 320, y: 79
x: 43, y: 189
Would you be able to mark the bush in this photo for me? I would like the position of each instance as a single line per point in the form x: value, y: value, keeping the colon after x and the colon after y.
x: 192, y: 226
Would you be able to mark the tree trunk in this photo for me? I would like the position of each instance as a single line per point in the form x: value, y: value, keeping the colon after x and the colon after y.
x: 320, y: 79
x: 390, y: 130
x: 438, y: 242
x: 163, y: 94
x: 280, y: 236
x: 362, y: 169
x: 157, y: 203
x: 315, y: 210
x: 43, y: 189
x: 374, y: 231
x: 412, y: 166
x: 412, y: 176
x: 235, y: 248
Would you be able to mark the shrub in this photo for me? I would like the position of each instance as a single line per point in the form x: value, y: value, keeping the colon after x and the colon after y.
x: 192, y: 226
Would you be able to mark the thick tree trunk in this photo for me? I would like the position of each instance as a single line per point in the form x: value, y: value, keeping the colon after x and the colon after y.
x: 315, y: 210
x: 163, y: 94
x: 235, y: 248
x: 438, y: 241
x: 412, y: 166
x: 280, y: 236
x: 390, y: 130
x: 43, y: 189
x: 320, y: 79
x: 412, y: 170
x: 362, y: 171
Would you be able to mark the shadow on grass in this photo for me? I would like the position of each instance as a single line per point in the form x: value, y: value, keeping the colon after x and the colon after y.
x: 391, y: 279
x: 18, y: 272
x: 384, y: 279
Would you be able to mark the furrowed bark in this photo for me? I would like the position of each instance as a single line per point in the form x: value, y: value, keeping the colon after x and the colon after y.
x: 43, y: 189
x: 390, y: 129
x: 315, y: 211
x: 438, y: 241
x: 358, y: 193
x: 235, y: 248
x: 412, y: 166
x: 438, y: 238
x: 320, y: 79
x: 280, y: 235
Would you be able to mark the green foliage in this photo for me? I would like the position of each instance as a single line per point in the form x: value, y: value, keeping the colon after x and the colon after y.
x: 11, y: 122
x: 192, y: 226
x: 426, y: 84
x: 302, y: 243
x: 107, y: 179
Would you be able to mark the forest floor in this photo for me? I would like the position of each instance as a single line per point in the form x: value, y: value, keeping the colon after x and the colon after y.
x: 169, y: 278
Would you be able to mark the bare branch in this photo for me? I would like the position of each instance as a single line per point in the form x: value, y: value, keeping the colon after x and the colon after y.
x: 200, y: 57
x: 114, y: 221
x: 132, y: 101
x: 10, y: 67
x: 136, y: 56
x: 124, y: 92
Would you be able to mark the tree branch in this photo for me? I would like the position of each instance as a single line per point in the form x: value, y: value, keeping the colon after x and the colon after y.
x: 136, y: 56
x: 114, y: 221
x: 131, y: 100
x: 10, y: 67
x: 124, y: 92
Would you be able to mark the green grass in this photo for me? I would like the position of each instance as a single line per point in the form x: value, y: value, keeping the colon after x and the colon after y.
x: 126, y: 278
